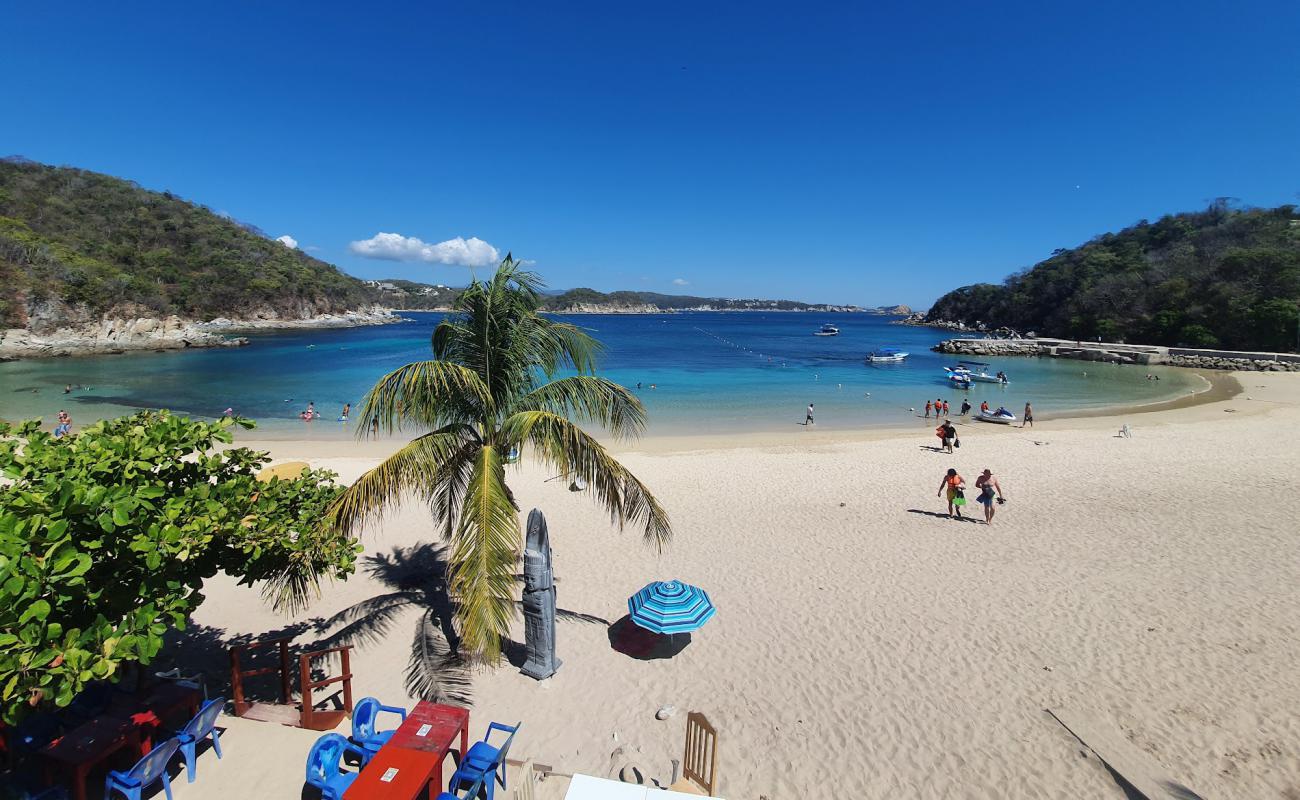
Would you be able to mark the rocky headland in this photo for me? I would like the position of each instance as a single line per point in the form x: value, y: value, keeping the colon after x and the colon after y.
x: 48, y: 338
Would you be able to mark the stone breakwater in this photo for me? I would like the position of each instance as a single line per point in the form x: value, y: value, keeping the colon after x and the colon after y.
x: 1124, y: 354
x: 110, y: 336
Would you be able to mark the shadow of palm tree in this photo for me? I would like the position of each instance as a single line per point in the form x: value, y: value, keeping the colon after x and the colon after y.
x: 417, y: 577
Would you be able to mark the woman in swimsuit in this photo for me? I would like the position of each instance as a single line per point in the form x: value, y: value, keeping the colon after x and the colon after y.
x: 952, y: 483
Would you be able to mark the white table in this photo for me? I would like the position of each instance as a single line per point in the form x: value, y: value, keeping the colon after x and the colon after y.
x: 585, y: 787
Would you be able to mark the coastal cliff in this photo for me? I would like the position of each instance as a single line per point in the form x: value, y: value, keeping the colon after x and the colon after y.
x: 116, y: 335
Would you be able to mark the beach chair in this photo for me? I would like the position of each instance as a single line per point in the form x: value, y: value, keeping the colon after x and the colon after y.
x: 323, y: 765
x: 700, y: 763
x: 146, y: 772
x: 469, y: 792
x: 364, y: 734
x: 196, y: 730
x: 484, y: 763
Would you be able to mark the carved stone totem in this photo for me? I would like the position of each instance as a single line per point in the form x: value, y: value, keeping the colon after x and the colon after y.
x: 539, y: 601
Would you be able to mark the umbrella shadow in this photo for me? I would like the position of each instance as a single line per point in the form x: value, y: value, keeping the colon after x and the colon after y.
x: 630, y: 639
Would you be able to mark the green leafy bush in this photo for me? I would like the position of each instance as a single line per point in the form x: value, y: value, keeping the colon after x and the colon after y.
x: 106, y: 539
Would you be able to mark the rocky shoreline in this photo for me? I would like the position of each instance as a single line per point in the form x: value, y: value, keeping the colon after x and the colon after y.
x: 1124, y: 354
x: 112, y: 336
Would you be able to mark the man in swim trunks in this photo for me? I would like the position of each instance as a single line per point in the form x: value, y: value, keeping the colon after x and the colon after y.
x: 1029, y: 416
x: 808, y: 420
x: 965, y: 407
x: 988, y: 486
x: 927, y: 409
x: 952, y: 483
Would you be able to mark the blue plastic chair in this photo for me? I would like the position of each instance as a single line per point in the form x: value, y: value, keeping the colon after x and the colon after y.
x: 198, y: 729
x: 485, y: 763
x: 467, y: 793
x: 364, y: 714
x: 144, y: 774
x: 323, y: 766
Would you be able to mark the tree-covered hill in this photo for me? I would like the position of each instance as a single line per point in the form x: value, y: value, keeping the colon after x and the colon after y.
x: 592, y: 299
x: 80, y: 244
x: 1216, y: 278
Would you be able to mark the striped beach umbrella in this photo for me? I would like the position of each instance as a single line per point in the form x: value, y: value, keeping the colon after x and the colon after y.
x: 670, y: 607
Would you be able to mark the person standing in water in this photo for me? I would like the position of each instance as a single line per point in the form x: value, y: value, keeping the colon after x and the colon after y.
x: 989, y: 489
x: 952, y: 483
x: 1029, y: 416
x: 965, y: 407
x: 808, y: 420
x: 945, y: 408
x: 347, y: 407
x: 927, y: 409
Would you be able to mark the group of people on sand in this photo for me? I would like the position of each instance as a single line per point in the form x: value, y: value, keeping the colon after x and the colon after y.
x: 940, y: 408
x: 989, y: 491
x: 64, y: 425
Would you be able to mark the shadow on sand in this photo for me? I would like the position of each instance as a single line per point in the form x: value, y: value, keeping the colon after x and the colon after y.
x: 633, y: 641
x: 940, y: 515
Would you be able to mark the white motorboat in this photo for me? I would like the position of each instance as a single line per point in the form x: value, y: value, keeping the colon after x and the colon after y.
x: 1000, y: 417
x: 978, y: 371
x: 887, y: 355
x: 828, y: 330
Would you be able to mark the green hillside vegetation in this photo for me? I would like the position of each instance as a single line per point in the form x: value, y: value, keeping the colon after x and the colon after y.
x: 1221, y: 277
x: 670, y: 302
x: 104, y: 245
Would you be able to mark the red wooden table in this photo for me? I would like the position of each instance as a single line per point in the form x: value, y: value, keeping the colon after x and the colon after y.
x: 81, y: 749
x: 432, y: 728
x: 395, y: 773
x: 163, y: 702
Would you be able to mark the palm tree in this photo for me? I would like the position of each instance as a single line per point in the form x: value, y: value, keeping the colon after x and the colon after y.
x: 490, y: 392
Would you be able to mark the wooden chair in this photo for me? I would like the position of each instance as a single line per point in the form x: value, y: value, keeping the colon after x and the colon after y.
x: 700, y: 763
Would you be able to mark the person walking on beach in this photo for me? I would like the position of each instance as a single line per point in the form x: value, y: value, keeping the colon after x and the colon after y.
x: 927, y: 409
x: 947, y: 434
x: 374, y: 426
x: 989, y: 488
x: 953, y: 484
x: 808, y: 420
x: 945, y: 408
x: 965, y: 407
x: 1029, y: 416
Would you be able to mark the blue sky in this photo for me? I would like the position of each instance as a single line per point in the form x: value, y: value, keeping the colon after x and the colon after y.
x: 825, y: 152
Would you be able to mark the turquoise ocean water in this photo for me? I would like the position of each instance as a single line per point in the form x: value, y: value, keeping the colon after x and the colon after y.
x: 713, y: 373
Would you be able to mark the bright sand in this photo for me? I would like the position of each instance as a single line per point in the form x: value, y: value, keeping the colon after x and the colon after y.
x: 868, y: 646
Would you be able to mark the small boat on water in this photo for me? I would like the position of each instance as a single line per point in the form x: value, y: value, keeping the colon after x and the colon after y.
x: 1000, y: 417
x: 887, y: 355
x: 979, y: 371
x: 828, y: 330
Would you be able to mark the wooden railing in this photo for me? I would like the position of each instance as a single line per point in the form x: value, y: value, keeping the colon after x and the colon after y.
x: 309, y: 717
x: 238, y: 674
x: 308, y: 685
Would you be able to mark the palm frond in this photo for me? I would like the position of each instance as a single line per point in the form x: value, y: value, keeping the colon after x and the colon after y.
x: 569, y: 449
x: 436, y: 672
x: 586, y: 397
x: 409, y: 469
x: 483, y: 555
x: 429, y: 394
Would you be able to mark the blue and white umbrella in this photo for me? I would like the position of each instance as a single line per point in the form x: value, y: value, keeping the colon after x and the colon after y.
x: 670, y: 607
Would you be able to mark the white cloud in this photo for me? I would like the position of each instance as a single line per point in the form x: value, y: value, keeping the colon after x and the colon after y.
x: 471, y: 252
x: 288, y: 241
x: 681, y: 282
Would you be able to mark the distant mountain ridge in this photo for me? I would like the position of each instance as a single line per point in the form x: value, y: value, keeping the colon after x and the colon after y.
x: 419, y: 296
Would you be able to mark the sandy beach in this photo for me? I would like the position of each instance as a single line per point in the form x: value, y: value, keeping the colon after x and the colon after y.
x: 868, y: 646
